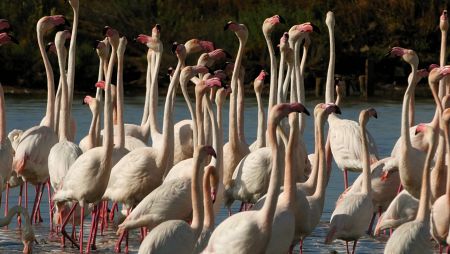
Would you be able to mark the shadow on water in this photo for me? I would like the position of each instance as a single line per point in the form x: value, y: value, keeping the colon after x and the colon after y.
x: 23, y: 113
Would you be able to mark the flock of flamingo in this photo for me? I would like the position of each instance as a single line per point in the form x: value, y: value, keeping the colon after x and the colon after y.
x: 173, y: 189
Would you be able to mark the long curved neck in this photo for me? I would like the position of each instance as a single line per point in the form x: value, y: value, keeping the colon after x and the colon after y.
x: 98, y: 94
x: 273, y: 72
x: 447, y: 145
x: 405, y: 109
x: 72, y: 57
x: 208, y: 222
x: 240, y: 107
x: 312, y: 180
x: 2, y: 116
x: 366, y: 183
x: 199, y: 113
x: 281, y: 95
x: 269, y: 206
x: 108, y: 141
x: 442, y: 59
x: 197, y: 196
x: 148, y: 86
x: 217, y: 142
x: 153, y: 104
x: 7, y: 219
x: 120, y: 106
x: 64, y: 107
x: 233, y: 129
x: 289, y: 173
x: 49, y: 113
x: 186, y: 96
x: 423, y: 212
x: 58, y: 106
x: 412, y: 103
x: 322, y: 171
x: 261, y: 133
x: 92, y: 135
x: 329, y: 87
x: 166, y: 155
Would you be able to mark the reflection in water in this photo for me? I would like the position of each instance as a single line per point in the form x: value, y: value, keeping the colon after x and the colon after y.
x: 23, y: 113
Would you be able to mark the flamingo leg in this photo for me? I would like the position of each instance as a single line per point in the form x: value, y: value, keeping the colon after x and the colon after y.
x: 400, y: 188
x: 111, y: 215
x: 19, y: 221
x: 97, y: 216
x: 119, y: 242
x: 346, y: 246
x: 6, y: 200
x: 242, y: 206
x: 126, y: 234
x: 301, y: 246
x: 26, y: 195
x: 369, y: 230
x: 36, y: 197
x: 38, y: 207
x: 50, y: 206
x: 448, y: 249
x: 93, y: 228
x: 81, y: 229
x: 63, y: 227
x: 104, y: 210
x: 354, y: 246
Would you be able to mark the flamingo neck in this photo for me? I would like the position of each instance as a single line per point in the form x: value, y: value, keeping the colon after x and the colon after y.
x: 442, y: 59
x: 329, y: 87
x: 64, y: 107
x: 261, y: 132
x: 186, y: 96
x: 366, y: 183
x: 447, y: 145
x: 289, y: 173
x: 197, y: 196
x: 423, y: 212
x: 49, y: 113
x: 120, y: 106
x: 98, y: 94
x: 269, y: 206
x: 233, y: 137
x: 199, y: 113
x: 406, y: 138
x: 273, y: 72
x: 108, y: 142
x: 208, y: 222
x: 322, y: 172
x: 148, y: 87
x: 281, y: 91
x: 240, y: 107
x: 153, y: 103
x: 93, y: 135
x: 166, y: 155
x: 71, y: 60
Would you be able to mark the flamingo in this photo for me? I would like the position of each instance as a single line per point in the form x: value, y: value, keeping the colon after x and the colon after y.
x: 443, y: 26
x: 90, y: 141
x: 268, y: 27
x: 146, y: 165
x: 64, y: 153
x: 351, y: 217
x: 176, y: 236
x: 414, y: 236
x: 261, y: 133
x: 31, y: 154
x: 250, y: 231
x: 5, y: 26
x: 235, y: 149
x: 87, y: 178
x: 440, y: 210
x: 211, y: 181
x: 28, y: 237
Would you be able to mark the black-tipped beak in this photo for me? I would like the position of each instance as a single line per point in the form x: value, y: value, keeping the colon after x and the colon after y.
x: 83, y: 102
x: 282, y: 20
x: 375, y: 115
x: 95, y: 44
x: 174, y: 47
x: 338, y: 110
x: 105, y: 29
x: 158, y: 26
x: 306, y: 112
x: 227, y: 25
x: 13, y: 39
x: 48, y: 46
x: 388, y: 53
x: 315, y: 28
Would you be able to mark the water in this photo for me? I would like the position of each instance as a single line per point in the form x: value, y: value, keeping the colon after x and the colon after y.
x: 24, y: 112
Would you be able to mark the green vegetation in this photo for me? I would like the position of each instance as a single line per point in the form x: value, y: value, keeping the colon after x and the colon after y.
x: 364, y: 29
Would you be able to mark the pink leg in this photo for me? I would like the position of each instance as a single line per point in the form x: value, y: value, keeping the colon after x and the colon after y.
x: 126, y: 236
x: 345, y: 179
x: 142, y: 234
x: 119, y: 242
x: 6, y: 200
x: 346, y: 246
x: 38, y: 208
x: 81, y: 229
x: 19, y: 221
x: 50, y: 206
x: 97, y: 216
x: 26, y: 194
x: 301, y: 246
x: 63, y: 227
x: 93, y: 229
x: 242, y: 207
x: 111, y: 215
x: 369, y: 230
x: 104, y: 212
x: 33, y: 211
x: 291, y: 249
x: 400, y: 188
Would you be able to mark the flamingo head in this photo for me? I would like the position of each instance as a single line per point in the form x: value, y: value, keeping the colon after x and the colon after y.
x: 7, y: 38
x: 422, y: 73
x: 219, y: 54
x: 61, y: 37
x: 443, y: 22
x: 100, y: 84
x: 329, y: 20
x: 213, y: 82
x: 366, y: 114
x: 156, y: 31
x: 170, y: 71
x: 262, y: 75
x: 302, y: 31
x: 431, y: 67
x: 220, y: 74
x: 88, y: 99
x: 50, y: 47
x: 208, y: 150
x: 240, y: 30
x: 195, y: 46
x: 282, y: 110
x: 408, y: 55
x: 179, y: 49
x: 5, y: 26
x: 47, y: 23
x: 113, y: 36
x: 284, y: 41
x: 437, y: 74
x: 270, y: 23
x: 328, y: 108
x: 420, y: 128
